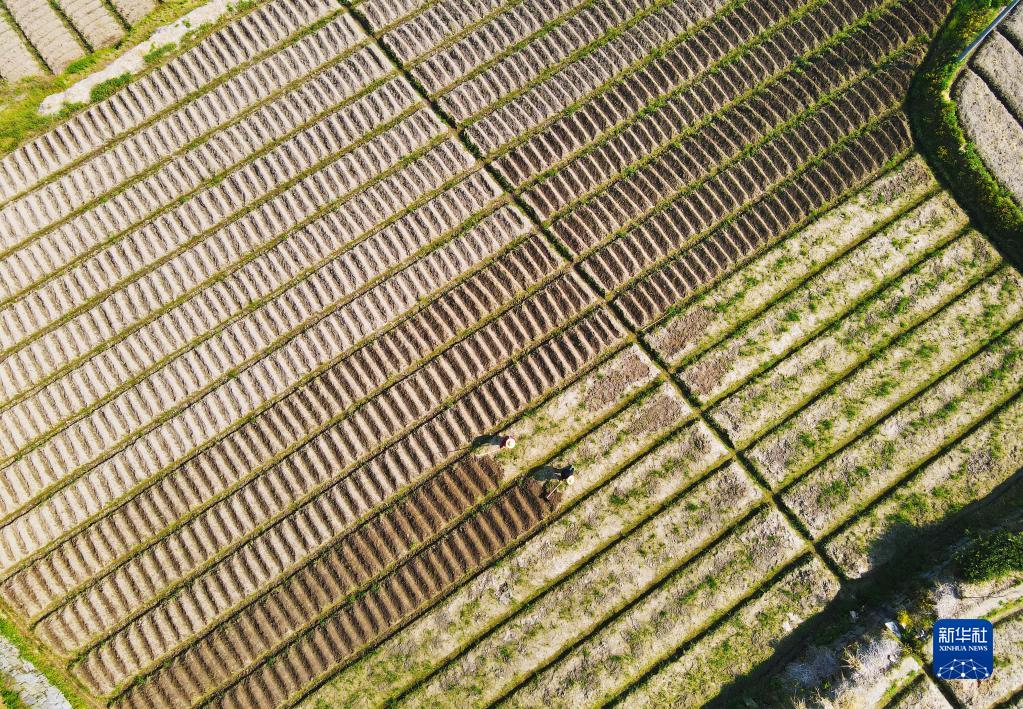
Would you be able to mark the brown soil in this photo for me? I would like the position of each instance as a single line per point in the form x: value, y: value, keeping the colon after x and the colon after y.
x: 335, y: 640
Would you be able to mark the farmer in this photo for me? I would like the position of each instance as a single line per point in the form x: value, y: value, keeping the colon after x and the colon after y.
x: 564, y: 475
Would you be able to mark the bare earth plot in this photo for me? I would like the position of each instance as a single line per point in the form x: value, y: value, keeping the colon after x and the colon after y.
x: 261, y: 309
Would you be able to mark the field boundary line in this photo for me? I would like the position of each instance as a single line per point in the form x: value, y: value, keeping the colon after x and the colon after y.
x: 40, y: 656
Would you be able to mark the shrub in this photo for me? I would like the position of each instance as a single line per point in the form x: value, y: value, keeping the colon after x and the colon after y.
x: 992, y: 556
x: 105, y: 89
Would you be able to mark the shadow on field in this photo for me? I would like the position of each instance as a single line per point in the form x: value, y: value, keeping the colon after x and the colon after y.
x: 903, y: 557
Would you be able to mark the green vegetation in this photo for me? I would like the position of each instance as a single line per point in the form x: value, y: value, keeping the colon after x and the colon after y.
x: 154, y: 55
x: 935, y: 121
x: 992, y: 556
x: 106, y: 89
x: 10, y: 697
x: 34, y: 653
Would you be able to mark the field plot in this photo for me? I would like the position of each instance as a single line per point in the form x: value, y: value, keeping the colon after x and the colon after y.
x: 265, y: 311
x: 989, y: 97
x: 36, y: 35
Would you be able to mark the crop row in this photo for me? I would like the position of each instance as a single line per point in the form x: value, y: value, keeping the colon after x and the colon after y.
x: 220, y: 262
x: 573, y: 410
x: 706, y: 319
x: 204, y: 118
x: 285, y: 178
x: 281, y: 427
x: 676, y: 222
x: 254, y: 311
x: 270, y: 24
x: 968, y: 471
x: 572, y: 609
x: 390, y: 357
x: 558, y: 296
x: 722, y: 85
x: 822, y: 299
x: 430, y: 445
x: 880, y: 457
x: 613, y: 508
x: 794, y: 380
x: 994, y: 130
x: 999, y: 62
x: 278, y: 352
x: 818, y: 187
x: 621, y: 651
x: 744, y: 640
x: 911, y: 363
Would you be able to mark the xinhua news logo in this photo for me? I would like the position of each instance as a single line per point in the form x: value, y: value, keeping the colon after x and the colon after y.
x: 964, y: 649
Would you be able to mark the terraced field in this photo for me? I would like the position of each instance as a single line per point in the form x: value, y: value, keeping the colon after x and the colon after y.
x: 38, y: 36
x: 264, y: 310
x: 990, y: 99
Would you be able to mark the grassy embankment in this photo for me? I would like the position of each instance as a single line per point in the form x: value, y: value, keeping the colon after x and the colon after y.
x: 935, y: 120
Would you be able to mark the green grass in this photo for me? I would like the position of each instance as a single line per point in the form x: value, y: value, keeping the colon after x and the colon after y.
x: 933, y: 114
x: 106, y: 89
x: 35, y: 655
x: 153, y: 56
x: 992, y: 556
x: 9, y: 696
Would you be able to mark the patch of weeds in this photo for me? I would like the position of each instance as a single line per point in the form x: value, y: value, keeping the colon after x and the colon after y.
x: 992, y: 556
x: 106, y: 89
x: 154, y: 55
x: 10, y: 697
x: 81, y: 64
